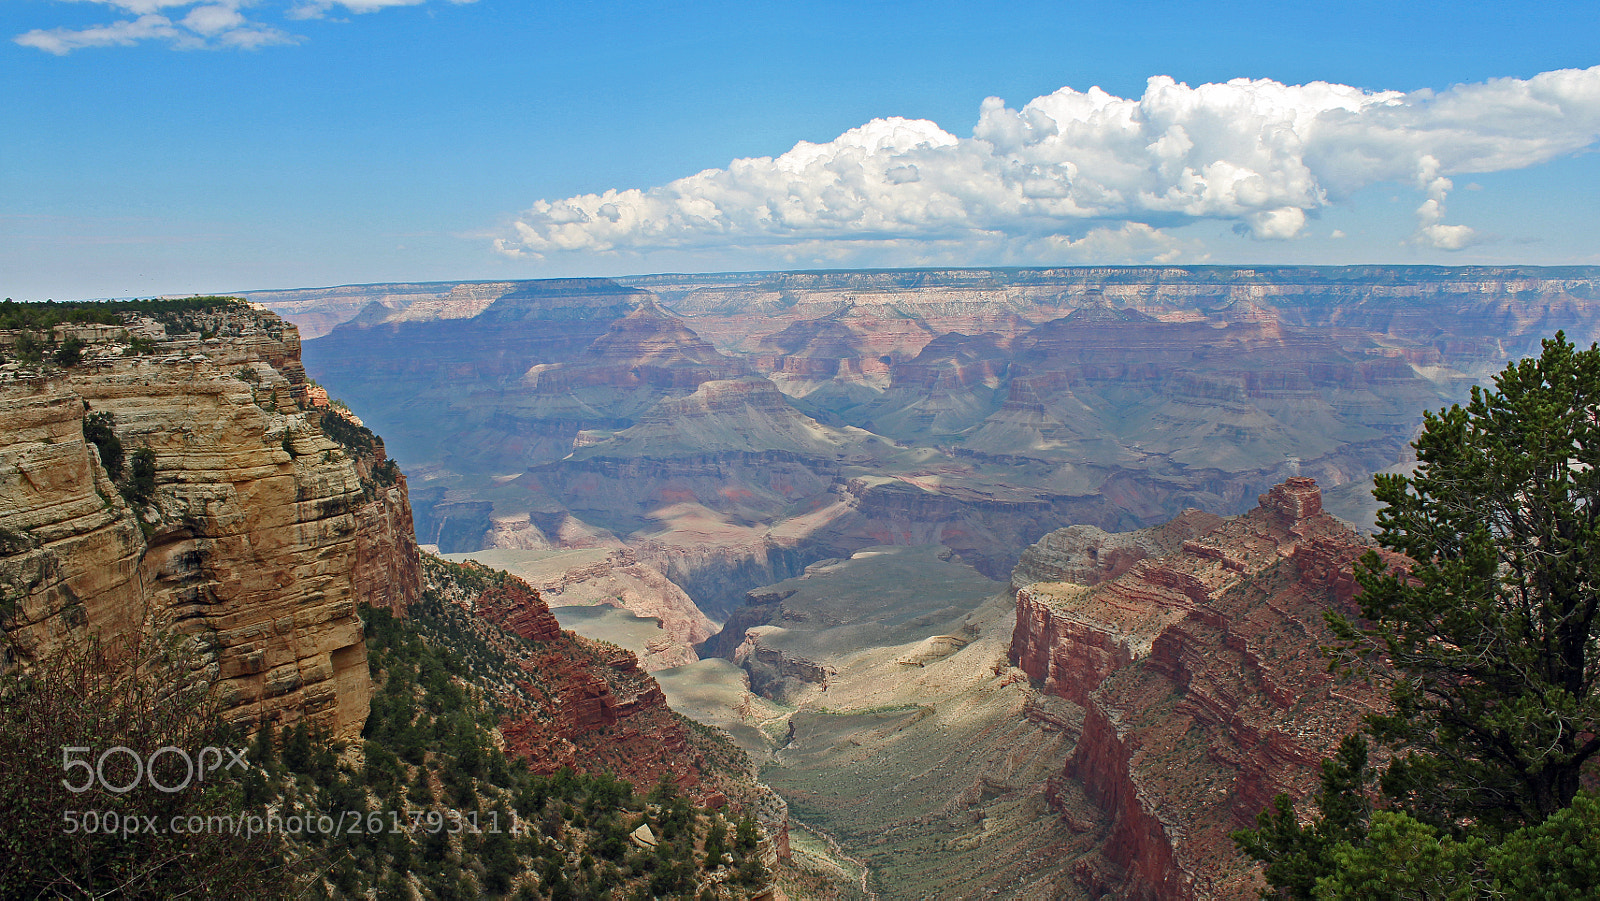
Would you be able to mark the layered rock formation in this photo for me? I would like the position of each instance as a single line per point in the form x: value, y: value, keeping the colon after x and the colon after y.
x: 1202, y: 689
x: 1086, y: 555
x: 259, y: 535
x: 730, y: 429
x: 1109, y: 397
x: 747, y: 415
x: 612, y: 577
x: 588, y: 706
x: 316, y: 311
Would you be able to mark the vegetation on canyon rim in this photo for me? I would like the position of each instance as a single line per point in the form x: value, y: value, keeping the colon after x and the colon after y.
x: 1489, y: 644
x: 426, y: 773
x: 36, y: 323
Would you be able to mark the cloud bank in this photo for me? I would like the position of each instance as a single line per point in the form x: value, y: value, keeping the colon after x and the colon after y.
x: 1076, y: 173
x: 195, y: 24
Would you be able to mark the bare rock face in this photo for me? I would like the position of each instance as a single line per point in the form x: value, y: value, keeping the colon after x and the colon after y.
x: 853, y: 345
x: 259, y: 540
x: 582, y: 704
x: 1203, y: 691
x: 647, y: 348
x: 611, y: 577
x: 1087, y: 555
x: 820, y: 413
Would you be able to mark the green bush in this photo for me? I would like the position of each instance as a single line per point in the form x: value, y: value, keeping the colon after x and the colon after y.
x: 29, y: 349
x: 99, y: 429
x: 77, y: 704
x: 141, y: 483
x: 70, y: 353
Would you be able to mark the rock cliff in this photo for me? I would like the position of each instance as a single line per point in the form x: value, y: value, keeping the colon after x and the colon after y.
x: 586, y: 705
x: 668, y: 624
x: 1202, y: 690
x: 258, y: 535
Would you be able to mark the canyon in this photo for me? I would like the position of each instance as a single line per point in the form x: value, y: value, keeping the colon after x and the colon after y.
x: 729, y: 429
x: 1010, y: 582
x: 1014, y: 578
x: 1096, y: 728
x: 269, y: 519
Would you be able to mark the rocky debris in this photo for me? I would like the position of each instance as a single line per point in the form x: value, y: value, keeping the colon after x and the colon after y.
x: 259, y: 538
x: 1202, y: 688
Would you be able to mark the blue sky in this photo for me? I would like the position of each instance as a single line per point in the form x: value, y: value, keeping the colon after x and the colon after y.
x: 161, y: 146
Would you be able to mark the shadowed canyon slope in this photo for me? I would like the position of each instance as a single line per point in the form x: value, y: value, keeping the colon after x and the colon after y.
x: 731, y: 428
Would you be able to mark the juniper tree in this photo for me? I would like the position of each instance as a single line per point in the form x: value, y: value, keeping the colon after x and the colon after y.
x: 1490, y: 634
x: 1487, y: 640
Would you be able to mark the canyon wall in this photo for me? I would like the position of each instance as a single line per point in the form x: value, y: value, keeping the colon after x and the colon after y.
x: 1197, y: 671
x: 572, y: 703
x: 979, y: 409
x: 258, y: 536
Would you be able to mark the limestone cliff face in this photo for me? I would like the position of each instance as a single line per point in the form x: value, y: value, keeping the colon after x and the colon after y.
x: 259, y: 540
x: 1202, y: 689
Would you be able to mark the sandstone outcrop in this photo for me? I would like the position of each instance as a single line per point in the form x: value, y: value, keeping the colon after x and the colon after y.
x: 1202, y: 689
x: 1087, y: 555
x: 260, y: 536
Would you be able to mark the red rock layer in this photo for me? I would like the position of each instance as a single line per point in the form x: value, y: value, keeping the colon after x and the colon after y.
x: 388, y: 566
x: 590, y: 707
x: 1203, y: 688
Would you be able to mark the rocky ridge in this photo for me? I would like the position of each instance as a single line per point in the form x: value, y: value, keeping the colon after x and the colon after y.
x: 589, y: 706
x: 612, y: 577
x: 259, y: 537
x: 1201, y: 688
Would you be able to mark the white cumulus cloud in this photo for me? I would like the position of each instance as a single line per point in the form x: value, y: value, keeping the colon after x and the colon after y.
x: 315, y: 9
x: 1074, y: 167
x: 195, y: 24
